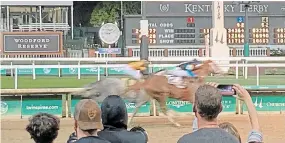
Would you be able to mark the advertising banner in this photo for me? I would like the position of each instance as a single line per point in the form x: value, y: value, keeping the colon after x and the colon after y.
x: 89, y: 71
x: 179, y: 106
x: 31, y: 42
x: 130, y: 107
x: 268, y: 103
x: 155, y: 69
x: 46, y: 71
x: 25, y: 71
x: 31, y: 106
x: 228, y: 102
x: 10, y: 106
x: 2, y: 71
x: 116, y: 71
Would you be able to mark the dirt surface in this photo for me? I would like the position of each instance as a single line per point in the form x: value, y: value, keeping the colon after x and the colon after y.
x: 158, y: 128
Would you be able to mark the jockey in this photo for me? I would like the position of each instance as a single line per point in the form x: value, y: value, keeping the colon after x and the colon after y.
x: 185, y: 69
x: 133, y: 68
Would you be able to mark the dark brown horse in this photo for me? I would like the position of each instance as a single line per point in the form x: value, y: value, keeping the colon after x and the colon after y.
x: 155, y: 86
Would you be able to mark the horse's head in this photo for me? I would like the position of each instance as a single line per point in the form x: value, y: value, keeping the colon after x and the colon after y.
x: 207, y: 67
x: 213, y: 67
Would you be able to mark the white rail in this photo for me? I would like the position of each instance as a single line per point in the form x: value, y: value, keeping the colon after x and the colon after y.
x: 16, y: 67
x: 128, y: 59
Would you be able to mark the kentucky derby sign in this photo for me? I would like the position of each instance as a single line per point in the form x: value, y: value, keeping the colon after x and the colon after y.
x: 31, y: 42
x: 109, y: 33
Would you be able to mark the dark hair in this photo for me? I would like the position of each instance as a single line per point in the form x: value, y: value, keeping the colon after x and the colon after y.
x: 230, y: 128
x: 90, y: 131
x: 208, y: 102
x: 43, y: 127
x: 140, y: 129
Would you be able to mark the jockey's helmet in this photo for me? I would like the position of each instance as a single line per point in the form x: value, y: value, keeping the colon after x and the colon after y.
x: 190, y: 67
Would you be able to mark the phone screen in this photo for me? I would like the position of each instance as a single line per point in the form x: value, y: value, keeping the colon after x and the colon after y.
x: 226, y: 89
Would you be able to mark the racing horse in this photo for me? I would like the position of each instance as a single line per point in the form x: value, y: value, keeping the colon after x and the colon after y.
x: 155, y: 86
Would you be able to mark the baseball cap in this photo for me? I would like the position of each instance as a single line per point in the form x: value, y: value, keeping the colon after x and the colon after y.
x: 87, y: 113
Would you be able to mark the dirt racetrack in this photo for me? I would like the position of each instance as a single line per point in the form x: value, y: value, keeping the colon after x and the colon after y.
x: 158, y: 128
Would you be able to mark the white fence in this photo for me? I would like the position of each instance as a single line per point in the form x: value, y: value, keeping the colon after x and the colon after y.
x: 194, y: 52
x: 33, y: 67
x: 152, y: 59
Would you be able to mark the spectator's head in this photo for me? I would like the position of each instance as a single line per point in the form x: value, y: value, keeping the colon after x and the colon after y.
x: 208, y: 102
x: 230, y: 128
x: 87, y: 116
x: 43, y: 127
x: 114, y: 112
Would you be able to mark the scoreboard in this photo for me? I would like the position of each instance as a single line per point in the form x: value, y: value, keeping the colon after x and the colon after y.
x: 167, y: 33
x: 179, y: 24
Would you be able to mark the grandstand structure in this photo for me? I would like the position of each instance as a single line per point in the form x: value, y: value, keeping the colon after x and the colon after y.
x: 23, y: 16
x: 35, y: 20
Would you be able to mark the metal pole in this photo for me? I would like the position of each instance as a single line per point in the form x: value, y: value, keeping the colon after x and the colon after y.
x: 246, y: 32
x: 144, y: 39
x: 8, y: 18
x: 40, y: 7
x: 72, y: 22
x: 122, y: 28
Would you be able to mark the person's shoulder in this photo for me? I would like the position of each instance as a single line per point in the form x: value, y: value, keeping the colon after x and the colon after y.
x: 90, y: 139
x: 123, y: 135
x: 208, y: 134
x: 185, y: 138
x: 219, y: 134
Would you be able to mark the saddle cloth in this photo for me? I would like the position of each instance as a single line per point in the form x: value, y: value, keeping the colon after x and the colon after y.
x: 177, y: 81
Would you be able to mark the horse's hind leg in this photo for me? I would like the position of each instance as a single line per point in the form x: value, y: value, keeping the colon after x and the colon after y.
x: 141, y: 100
x: 135, y: 112
x: 166, y: 112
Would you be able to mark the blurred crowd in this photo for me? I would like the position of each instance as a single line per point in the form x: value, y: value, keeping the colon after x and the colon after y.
x: 108, y: 123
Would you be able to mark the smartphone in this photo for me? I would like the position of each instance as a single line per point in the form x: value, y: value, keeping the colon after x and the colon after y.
x: 226, y: 89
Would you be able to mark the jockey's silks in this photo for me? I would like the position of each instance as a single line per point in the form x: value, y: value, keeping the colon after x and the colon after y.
x: 137, y: 65
x: 190, y: 72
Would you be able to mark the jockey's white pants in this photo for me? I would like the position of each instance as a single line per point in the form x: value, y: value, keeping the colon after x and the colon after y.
x: 131, y: 72
x: 178, y: 72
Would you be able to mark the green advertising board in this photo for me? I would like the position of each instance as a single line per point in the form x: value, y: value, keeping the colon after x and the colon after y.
x: 155, y: 69
x: 130, y: 107
x: 46, y: 71
x: 25, y: 71
x: 89, y: 71
x: 31, y: 106
x: 3, y: 71
x: 116, y: 71
x: 179, y: 106
x: 10, y: 106
x: 228, y: 102
x: 268, y: 103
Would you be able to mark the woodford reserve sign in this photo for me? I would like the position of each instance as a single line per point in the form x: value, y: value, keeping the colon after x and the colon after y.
x: 204, y: 8
x: 31, y: 42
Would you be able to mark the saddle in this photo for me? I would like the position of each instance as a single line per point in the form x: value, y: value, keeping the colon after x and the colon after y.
x: 177, y: 81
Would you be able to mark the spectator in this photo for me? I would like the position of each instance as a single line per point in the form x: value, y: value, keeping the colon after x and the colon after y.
x: 255, y: 135
x: 115, y: 119
x: 87, y: 116
x: 207, y: 106
x: 230, y: 128
x: 43, y: 127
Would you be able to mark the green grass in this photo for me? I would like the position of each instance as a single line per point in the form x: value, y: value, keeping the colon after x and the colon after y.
x: 73, y: 82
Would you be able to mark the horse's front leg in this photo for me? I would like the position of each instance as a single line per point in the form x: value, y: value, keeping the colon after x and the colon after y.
x: 165, y: 111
